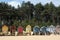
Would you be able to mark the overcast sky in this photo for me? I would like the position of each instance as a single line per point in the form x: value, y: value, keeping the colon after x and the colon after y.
x: 16, y: 2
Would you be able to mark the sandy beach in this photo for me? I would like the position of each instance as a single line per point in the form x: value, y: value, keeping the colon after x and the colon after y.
x: 46, y: 37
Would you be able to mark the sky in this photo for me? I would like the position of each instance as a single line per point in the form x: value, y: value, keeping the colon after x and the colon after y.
x: 19, y: 2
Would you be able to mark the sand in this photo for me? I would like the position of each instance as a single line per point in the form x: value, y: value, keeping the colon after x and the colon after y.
x: 38, y: 37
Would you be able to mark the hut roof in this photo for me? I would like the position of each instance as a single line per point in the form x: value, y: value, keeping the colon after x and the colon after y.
x: 4, y: 28
x: 20, y: 29
x: 12, y: 27
x: 58, y: 26
x: 28, y: 28
x: 36, y: 29
x: 52, y: 26
x: 43, y: 29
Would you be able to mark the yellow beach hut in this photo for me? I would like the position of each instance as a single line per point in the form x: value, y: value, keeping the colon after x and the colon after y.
x: 4, y: 29
x: 28, y: 29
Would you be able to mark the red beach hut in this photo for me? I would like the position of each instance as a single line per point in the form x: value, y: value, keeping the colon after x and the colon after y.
x: 20, y: 30
x: 12, y: 29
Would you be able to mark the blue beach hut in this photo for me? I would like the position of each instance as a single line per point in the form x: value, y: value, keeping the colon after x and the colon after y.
x: 36, y: 30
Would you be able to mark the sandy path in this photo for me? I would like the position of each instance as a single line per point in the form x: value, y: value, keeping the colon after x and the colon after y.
x: 51, y: 37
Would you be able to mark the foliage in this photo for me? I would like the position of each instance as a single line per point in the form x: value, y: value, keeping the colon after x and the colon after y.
x: 31, y: 14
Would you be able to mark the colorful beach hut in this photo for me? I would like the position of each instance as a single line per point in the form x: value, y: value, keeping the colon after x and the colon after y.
x: 43, y: 31
x: 58, y: 29
x: 36, y: 30
x: 28, y: 29
x: 20, y: 30
x: 5, y: 29
x: 12, y: 29
x: 51, y: 29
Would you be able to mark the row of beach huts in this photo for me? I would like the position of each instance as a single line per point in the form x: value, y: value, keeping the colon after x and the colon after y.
x: 36, y: 30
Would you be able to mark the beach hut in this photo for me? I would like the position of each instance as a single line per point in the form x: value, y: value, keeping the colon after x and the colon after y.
x: 51, y: 29
x: 57, y: 29
x: 28, y: 29
x: 43, y: 31
x: 20, y: 30
x: 36, y: 30
x: 12, y: 30
x: 5, y: 29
